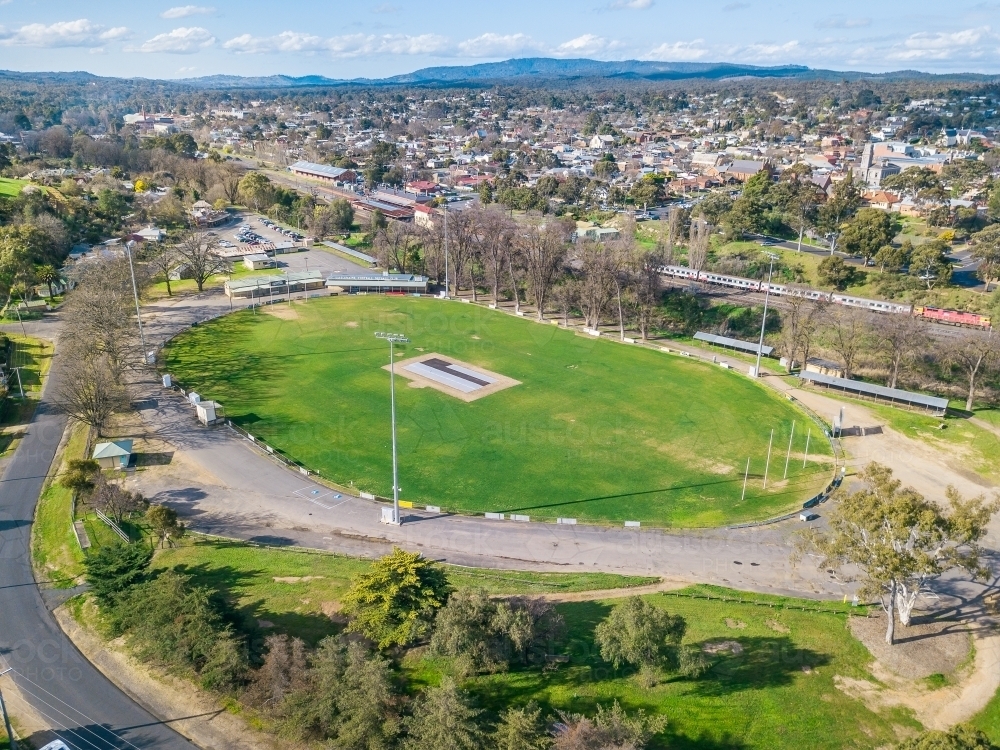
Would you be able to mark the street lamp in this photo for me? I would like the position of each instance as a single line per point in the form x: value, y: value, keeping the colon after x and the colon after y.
x: 393, y: 339
x: 135, y: 293
x: 763, y: 323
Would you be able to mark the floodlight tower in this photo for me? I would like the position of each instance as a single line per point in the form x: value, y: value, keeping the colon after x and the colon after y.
x: 393, y: 339
x: 763, y: 323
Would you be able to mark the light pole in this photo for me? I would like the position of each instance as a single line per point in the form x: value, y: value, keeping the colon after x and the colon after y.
x: 135, y: 293
x: 393, y: 339
x: 763, y: 323
x: 6, y: 719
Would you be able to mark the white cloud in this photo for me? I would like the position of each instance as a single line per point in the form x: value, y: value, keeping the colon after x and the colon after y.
x: 497, y: 45
x: 840, y: 22
x: 631, y: 4
x: 941, y: 45
x: 768, y: 51
x: 585, y: 45
x: 183, y: 11
x: 79, y: 33
x: 679, y: 51
x: 348, y: 45
x: 184, y: 40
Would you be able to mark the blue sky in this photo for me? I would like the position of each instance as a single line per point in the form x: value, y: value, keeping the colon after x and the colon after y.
x: 386, y: 37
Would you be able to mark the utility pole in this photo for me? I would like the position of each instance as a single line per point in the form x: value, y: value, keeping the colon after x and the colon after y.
x: 393, y: 339
x: 763, y: 323
x: 806, y: 456
x: 135, y: 293
x: 6, y: 718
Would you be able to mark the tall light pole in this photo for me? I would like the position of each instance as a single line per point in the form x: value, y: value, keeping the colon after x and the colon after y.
x: 135, y: 293
x: 763, y: 323
x: 393, y: 339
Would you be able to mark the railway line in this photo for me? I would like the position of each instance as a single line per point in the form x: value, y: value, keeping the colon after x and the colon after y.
x: 940, y: 331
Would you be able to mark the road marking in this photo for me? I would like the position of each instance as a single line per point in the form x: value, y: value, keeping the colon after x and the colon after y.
x: 314, y: 493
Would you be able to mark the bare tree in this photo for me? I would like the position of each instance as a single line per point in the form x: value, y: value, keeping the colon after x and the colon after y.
x: 698, y: 244
x: 395, y: 245
x: 514, y: 256
x: 100, y: 316
x: 619, y: 262
x: 566, y: 295
x: 898, y: 338
x: 809, y: 326
x: 229, y: 182
x: 848, y: 334
x: 792, y: 317
x: 88, y: 390
x: 114, y: 500
x: 162, y: 258
x: 673, y: 230
x: 544, y: 252
x: 645, y: 299
x: 461, y: 243
x: 495, y: 233
x: 597, y: 286
x: 199, y: 251
x: 974, y: 352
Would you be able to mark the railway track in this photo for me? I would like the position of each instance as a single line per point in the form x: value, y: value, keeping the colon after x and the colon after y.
x: 939, y: 331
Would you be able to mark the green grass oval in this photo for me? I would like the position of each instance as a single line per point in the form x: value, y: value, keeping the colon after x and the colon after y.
x: 596, y: 431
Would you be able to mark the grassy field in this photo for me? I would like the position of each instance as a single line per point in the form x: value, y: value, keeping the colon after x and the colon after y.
x: 989, y: 719
x: 158, y: 290
x: 10, y: 187
x: 54, y: 549
x: 596, y: 430
x: 296, y: 591
x: 780, y: 692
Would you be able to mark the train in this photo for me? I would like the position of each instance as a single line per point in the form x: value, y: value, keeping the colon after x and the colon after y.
x: 938, y: 315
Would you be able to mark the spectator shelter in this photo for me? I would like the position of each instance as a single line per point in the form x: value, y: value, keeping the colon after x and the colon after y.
x: 351, y: 252
x: 933, y: 404
x: 265, y: 288
x: 385, y: 283
x: 113, y: 455
x: 743, y: 346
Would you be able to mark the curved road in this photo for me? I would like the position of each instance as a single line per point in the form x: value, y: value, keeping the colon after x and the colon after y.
x: 82, y: 707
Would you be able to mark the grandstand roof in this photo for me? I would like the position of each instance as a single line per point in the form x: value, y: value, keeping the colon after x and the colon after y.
x: 935, y: 403
x: 744, y: 346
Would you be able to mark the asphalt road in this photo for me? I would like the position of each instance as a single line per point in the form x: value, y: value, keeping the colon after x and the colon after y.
x: 82, y: 707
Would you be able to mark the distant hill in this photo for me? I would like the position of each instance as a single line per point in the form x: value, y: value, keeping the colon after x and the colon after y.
x: 524, y: 71
x: 546, y: 68
x: 539, y: 69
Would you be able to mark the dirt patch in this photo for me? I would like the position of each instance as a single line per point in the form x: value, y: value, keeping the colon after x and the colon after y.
x: 332, y: 610
x: 351, y: 324
x: 777, y: 627
x: 972, y: 688
x: 735, y: 624
x: 922, y: 649
x: 281, y: 311
x: 723, y: 647
x: 590, y: 596
x: 265, y: 624
x: 296, y: 579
